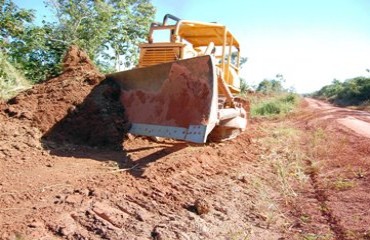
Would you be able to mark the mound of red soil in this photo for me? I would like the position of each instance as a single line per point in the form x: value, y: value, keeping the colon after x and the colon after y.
x: 79, y: 106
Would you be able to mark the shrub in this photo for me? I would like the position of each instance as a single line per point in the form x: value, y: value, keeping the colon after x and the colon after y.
x: 275, y: 105
x: 354, y: 91
x: 11, y: 81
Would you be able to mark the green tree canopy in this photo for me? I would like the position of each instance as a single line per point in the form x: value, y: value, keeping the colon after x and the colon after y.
x: 354, y: 91
x: 270, y: 86
x: 105, y: 29
x: 13, y: 22
x: 108, y: 30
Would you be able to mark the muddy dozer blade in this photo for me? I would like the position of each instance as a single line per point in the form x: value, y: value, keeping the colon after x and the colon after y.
x: 175, y: 100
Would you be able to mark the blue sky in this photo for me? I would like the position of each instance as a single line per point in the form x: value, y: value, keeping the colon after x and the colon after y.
x: 310, y: 42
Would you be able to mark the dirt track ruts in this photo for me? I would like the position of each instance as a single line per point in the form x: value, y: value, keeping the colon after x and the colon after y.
x: 339, y: 168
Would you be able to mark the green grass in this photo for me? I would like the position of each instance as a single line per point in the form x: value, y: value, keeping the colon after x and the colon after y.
x: 284, y: 155
x: 283, y: 164
x: 311, y: 236
x: 343, y: 184
x: 11, y: 80
x: 274, y: 105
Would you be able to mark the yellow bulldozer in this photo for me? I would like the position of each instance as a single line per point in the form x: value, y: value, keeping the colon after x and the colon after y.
x: 185, y: 87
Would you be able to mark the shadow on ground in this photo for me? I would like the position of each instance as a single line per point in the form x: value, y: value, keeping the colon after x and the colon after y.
x: 96, y: 130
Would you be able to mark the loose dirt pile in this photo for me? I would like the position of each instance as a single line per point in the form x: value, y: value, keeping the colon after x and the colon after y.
x: 77, y: 107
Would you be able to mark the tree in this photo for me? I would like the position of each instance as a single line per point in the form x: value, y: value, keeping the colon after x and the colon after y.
x: 131, y: 20
x: 244, y: 87
x: 280, y: 78
x: 13, y: 25
x: 270, y: 86
x: 234, y: 56
x: 11, y: 81
x: 105, y: 29
x: 37, y: 54
x: 82, y: 22
x: 13, y: 22
x: 352, y: 91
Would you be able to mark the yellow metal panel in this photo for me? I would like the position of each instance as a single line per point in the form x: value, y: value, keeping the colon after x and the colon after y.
x: 152, y: 54
x: 200, y: 34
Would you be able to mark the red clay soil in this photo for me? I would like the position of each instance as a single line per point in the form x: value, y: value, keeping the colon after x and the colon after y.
x: 148, y: 191
x: 78, y: 106
x: 48, y: 103
x: 68, y: 173
x: 339, y: 167
x: 65, y: 173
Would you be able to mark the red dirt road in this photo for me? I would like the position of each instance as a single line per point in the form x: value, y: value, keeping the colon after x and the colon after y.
x: 357, y: 121
x: 338, y: 148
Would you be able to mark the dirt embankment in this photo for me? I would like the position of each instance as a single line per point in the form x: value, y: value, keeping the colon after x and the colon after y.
x: 77, y: 107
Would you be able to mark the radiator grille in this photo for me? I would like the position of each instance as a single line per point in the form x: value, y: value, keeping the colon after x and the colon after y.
x: 152, y: 56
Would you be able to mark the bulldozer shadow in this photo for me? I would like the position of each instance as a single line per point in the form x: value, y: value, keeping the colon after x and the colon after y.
x: 96, y: 129
x: 98, y: 122
x: 121, y: 159
x: 137, y: 167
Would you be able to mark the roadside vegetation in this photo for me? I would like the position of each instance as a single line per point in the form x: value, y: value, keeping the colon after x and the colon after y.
x: 273, y: 105
x: 291, y: 167
x: 272, y: 99
x: 11, y: 80
x: 31, y: 52
x: 351, y: 92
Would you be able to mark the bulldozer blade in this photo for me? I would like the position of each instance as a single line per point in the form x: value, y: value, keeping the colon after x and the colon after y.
x: 174, y: 100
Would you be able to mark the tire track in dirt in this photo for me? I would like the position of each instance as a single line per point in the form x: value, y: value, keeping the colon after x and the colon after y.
x: 337, y: 166
x: 325, y: 210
